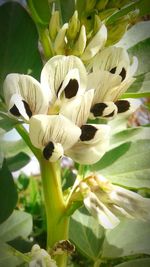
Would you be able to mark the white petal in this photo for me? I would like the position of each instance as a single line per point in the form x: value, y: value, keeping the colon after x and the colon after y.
x: 110, y: 58
x: 53, y: 151
x: 106, y: 110
x: 29, y: 90
x: 78, y: 109
x: 59, y: 45
x: 127, y: 106
x: 133, y: 67
x: 134, y: 204
x: 95, y: 44
x: 16, y: 105
x: 103, y: 82
x: 91, y: 151
x: 55, y: 71
x: 98, y: 210
x: 71, y: 83
x: 54, y: 128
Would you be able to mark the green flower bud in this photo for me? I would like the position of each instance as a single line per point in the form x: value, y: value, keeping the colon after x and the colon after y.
x: 107, y: 13
x: 54, y: 24
x: 80, y: 44
x: 74, y: 25
x: 90, y: 4
x: 60, y: 41
x: 101, y: 4
x: 97, y: 24
x: 116, y: 30
x: 118, y: 3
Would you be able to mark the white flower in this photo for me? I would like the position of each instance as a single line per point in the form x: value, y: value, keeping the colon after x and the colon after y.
x: 108, y: 202
x: 40, y: 258
x: 111, y: 76
x: 58, y: 109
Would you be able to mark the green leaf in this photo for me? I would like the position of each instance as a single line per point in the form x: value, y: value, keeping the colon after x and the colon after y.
x: 10, y: 148
x: 136, y: 263
x: 67, y: 9
x: 137, y: 33
x: 19, y: 224
x: 18, y: 42
x: 40, y: 11
x: 140, y: 88
x: 130, y: 134
x: 7, y: 123
x: 8, y: 256
x: 18, y: 161
x: 86, y: 234
x: 130, y: 237
x: 8, y: 193
x: 131, y: 169
x: 142, y: 52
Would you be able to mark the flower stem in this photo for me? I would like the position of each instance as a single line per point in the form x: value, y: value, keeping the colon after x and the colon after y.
x: 57, y: 224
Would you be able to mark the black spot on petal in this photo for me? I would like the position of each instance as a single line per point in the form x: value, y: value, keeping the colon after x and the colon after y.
x: 48, y: 150
x: 113, y: 70
x: 71, y: 89
x: 110, y: 115
x: 14, y: 111
x: 122, y: 105
x: 98, y: 109
x: 123, y: 73
x: 27, y: 109
x: 88, y: 132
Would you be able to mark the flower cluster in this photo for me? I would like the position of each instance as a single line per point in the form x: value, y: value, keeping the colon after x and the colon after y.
x: 108, y: 202
x: 58, y: 107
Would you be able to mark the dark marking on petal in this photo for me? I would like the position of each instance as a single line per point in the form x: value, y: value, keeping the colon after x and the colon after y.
x: 123, y: 73
x: 59, y: 88
x: 88, y: 132
x: 98, y: 109
x: 113, y: 70
x: 89, y: 17
x: 71, y: 89
x: 48, y: 150
x: 110, y: 115
x: 14, y: 111
x: 122, y: 105
x: 27, y: 108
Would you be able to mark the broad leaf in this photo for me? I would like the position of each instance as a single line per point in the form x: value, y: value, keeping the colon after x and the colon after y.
x: 18, y: 42
x: 7, y: 123
x: 130, y: 237
x: 8, y: 256
x: 40, y: 11
x: 18, y: 161
x: 127, y: 165
x: 10, y: 148
x: 142, y: 52
x: 8, y: 193
x: 136, y: 263
x: 19, y: 224
x: 140, y: 88
x: 130, y: 134
x: 86, y: 234
x: 137, y: 33
x: 67, y: 9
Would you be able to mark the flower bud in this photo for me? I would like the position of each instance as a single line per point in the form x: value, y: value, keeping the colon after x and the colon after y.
x: 60, y: 41
x: 107, y: 13
x: 54, y: 24
x: 101, y: 4
x: 80, y: 43
x: 90, y: 4
x: 73, y: 26
x: 116, y: 30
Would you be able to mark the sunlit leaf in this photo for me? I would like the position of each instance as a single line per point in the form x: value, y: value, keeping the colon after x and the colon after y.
x: 19, y: 224
x: 8, y: 256
x: 18, y: 161
x: 135, y: 263
x: 130, y: 237
x: 131, y: 169
x: 86, y: 234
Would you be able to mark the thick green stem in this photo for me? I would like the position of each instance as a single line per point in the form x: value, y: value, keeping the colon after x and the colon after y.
x: 57, y: 224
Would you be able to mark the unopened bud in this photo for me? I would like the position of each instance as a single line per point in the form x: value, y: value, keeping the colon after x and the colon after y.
x: 73, y: 27
x: 107, y: 13
x: 101, y: 4
x: 97, y: 24
x: 60, y: 41
x: 90, y: 4
x: 116, y: 30
x: 54, y: 25
x: 80, y: 44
